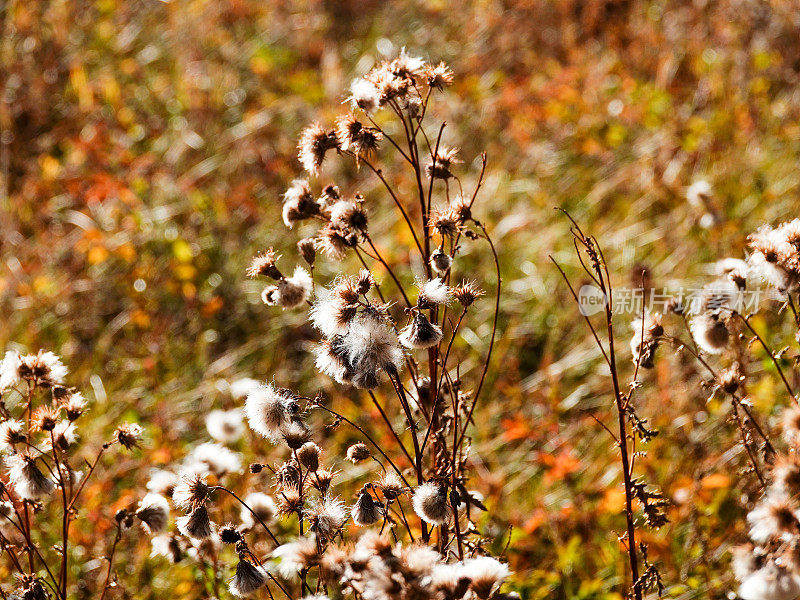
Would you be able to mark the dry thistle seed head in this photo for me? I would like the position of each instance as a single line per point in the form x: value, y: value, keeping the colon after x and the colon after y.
x: 264, y: 264
x: 644, y: 341
x: 420, y: 333
x: 248, y: 579
x: 229, y: 534
x: 467, y: 293
x: 307, y: 250
x: 11, y: 433
x: 358, y: 452
x: 445, y: 223
x: 308, y: 455
x: 331, y: 360
x: 64, y: 435
x: 364, y: 94
x: 334, y: 242
x: 710, y: 333
x: 196, y: 524
x: 225, y: 426
x: 30, y: 588
x: 299, y: 203
x: 45, y: 418
x: 288, y: 476
x: 391, y: 486
x: 74, y: 405
x: 772, y: 517
x: 365, y: 511
x: 487, y: 575
x: 430, y: 503
x: 191, y: 492
x: 444, y: 160
x: 355, y: 137
x: 313, y: 145
x: 327, y: 517
x: 128, y: 435
x: 295, y: 434
x: 441, y: 261
x: 268, y: 409
x: 433, y: 293
x: 28, y: 481
x: 438, y: 77
x: 350, y: 215
x: 262, y: 505
x: 153, y: 512
x: 322, y: 480
x: 296, y: 556
x: 786, y: 475
x: 364, y: 282
x: 730, y: 378
x: 289, y: 501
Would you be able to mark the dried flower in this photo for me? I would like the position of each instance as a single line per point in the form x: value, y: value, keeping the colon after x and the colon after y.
x: 168, y: 545
x: 327, y: 517
x: 296, y: 556
x: 262, y: 505
x: 358, y: 452
x: 264, y: 264
x: 11, y: 433
x: 432, y: 293
x: 365, y: 510
x: 128, y: 435
x: 27, y: 480
x: 268, y: 409
x: 445, y: 158
x: 299, y: 203
x: 438, y: 77
x: 467, y: 293
x: 710, y: 333
x: 441, y: 261
x: 153, y: 512
x: 248, y: 579
x: 771, y: 518
x: 365, y: 95
x: 420, y: 333
x: 196, y: 524
x: 430, y: 503
x: 225, y: 426
x: 313, y: 145
x: 308, y: 455
x: 191, y: 491
x: 487, y: 575
x: 307, y: 250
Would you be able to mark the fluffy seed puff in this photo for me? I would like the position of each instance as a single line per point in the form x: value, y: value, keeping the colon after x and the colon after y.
x: 444, y: 160
x: 355, y: 137
x: 775, y: 517
x: 191, y: 492
x: 248, y: 579
x: 289, y: 292
x: 27, y: 479
x: 268, y: 410
x: 440, y: 261
x: 358, y: 452
x: 433, y: 293
x: 196, y: 524
x: 153, y: 512
x: 430, y: 503
x: 225, y: 426
x: 327, y: 517
x: 487, y: 575
x: 770, y: 582
x: 420, y: 333
x: 365, y: 511
x: 371, y: 346
x: 365, y: 95
x: 710, y: 332
x: 313, y: 145
x: 299, y: 203
x: 296, y: 556
x: 262, y: 505
x: 11, y: 433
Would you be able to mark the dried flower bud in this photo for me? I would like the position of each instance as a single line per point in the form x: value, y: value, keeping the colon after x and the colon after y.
x: 358, y: 452
x: 430, y: 503
x: 308, y: 455
x: 264, y: 264
x: 128, y: 435
x: 365, y: 510
x: 307, y: 250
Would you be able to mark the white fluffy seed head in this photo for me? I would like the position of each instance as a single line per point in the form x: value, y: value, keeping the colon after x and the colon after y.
x: 430, y: 503
x: 225, y: 426
x: 267, y: 411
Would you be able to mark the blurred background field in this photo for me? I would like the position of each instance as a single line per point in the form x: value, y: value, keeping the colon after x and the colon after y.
x: 145, y: 146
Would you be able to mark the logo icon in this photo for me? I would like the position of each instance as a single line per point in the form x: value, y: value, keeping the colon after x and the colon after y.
x: 591, y: 300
